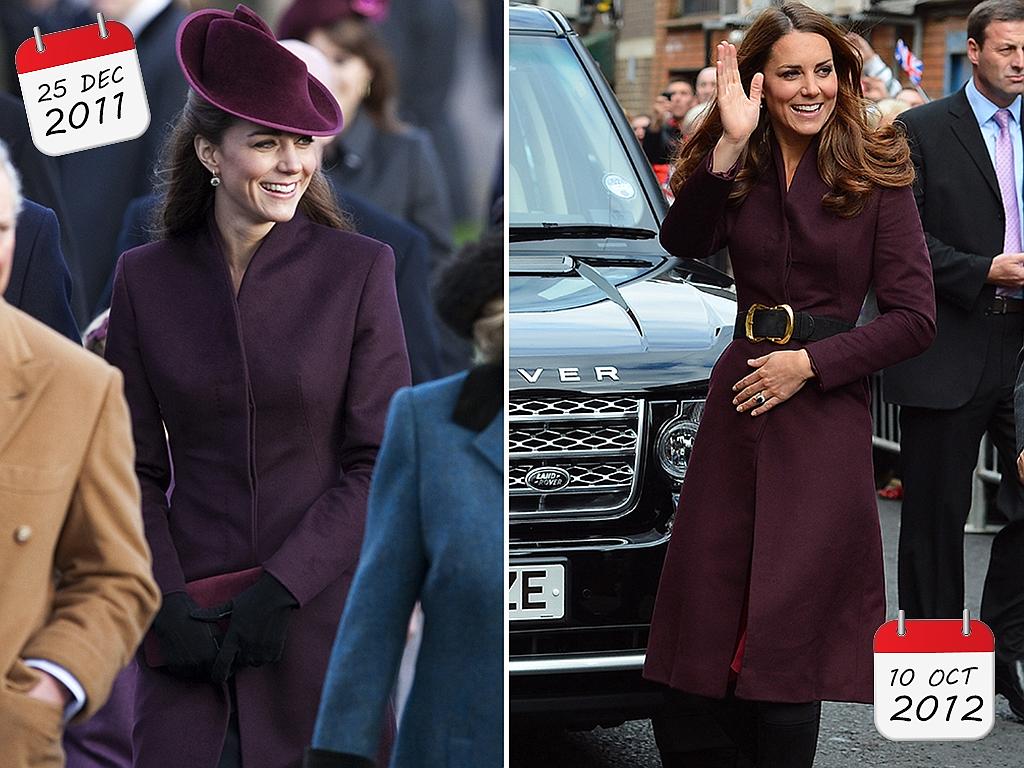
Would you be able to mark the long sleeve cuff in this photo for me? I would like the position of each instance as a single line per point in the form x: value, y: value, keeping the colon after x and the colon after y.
x: 66, y: 679
x: 325, y: 758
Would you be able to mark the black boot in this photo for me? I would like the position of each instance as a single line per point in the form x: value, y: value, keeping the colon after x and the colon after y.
x: 787, y: 734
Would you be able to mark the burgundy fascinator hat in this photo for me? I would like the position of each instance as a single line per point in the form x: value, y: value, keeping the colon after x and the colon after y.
x: 303, y: 16
x: 234, y: 62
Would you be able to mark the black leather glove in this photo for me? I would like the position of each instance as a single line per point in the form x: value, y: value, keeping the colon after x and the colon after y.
x: 189, y: 647
x: 324, y: 758
x: 259, y: 624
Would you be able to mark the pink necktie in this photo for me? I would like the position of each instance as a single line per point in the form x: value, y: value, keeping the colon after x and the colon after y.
x: 1008, y: 191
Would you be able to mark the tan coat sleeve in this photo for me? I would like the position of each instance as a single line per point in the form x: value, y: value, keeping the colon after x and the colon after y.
x: 105, y: 596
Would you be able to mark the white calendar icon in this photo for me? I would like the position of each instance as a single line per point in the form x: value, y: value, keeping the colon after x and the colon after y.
x: 82, y: 87
x: 935, y: 680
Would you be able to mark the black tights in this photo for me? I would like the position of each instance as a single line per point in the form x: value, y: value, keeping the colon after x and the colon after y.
x: 697, y: 732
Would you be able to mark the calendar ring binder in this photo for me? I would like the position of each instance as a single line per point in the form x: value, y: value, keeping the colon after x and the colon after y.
x: 901, y: 623
x: 38, y: 35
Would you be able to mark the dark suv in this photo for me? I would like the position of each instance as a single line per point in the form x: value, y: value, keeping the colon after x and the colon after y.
x: 612, y: 344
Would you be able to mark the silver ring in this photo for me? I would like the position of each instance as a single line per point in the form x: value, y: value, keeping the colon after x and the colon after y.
x: 759, y: 398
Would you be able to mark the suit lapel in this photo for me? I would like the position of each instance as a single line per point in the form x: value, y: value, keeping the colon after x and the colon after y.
x: 489, y: 442
x: 22, y: 376
x: 968, y: 132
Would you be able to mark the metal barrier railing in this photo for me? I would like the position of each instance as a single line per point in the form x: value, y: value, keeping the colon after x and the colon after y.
x: 886, y: 437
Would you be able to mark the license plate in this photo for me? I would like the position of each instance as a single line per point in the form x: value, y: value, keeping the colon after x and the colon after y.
x: 536, y: 592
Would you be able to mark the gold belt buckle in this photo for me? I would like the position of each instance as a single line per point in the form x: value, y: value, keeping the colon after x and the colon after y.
x: 749, y: 324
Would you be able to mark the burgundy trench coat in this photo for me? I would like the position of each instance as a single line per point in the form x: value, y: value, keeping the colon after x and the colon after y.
x: 777, y: 512
x: 274, y: 406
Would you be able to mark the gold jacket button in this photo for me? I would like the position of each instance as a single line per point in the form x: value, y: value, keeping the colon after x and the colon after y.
x: 22, y: 533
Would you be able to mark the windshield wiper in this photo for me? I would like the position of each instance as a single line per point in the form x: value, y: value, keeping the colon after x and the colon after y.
x: 551, y: 231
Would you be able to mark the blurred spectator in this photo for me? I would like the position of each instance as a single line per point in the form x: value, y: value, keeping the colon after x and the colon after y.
x: 681, y: 98
x: 873, y: 88
x: 889, y: 109
x: 39, y: 281
x: 423, y: 36
x: 662, y: 138
x: 874, y: 67
x: 911, y: 96
x: 41, y: 183
x: 640, y: 124
x: 706, y: 80
x: 99, y: 184
x: 376, y: 156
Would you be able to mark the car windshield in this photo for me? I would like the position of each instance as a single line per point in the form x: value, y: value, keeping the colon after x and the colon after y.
x: 567, y: 163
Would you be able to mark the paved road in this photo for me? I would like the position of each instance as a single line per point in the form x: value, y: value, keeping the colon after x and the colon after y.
x: 848, y: 736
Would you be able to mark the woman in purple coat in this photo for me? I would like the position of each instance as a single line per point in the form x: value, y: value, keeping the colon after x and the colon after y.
x: 260, y: 342
x: 773, y: 584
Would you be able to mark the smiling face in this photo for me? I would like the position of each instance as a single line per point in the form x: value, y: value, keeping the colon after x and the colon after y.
x: 999, y: 61
x: 800, y: 86
x: 263, y: 172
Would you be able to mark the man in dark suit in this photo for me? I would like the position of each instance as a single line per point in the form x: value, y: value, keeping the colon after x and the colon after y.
x: 99, y: 183
x: 40, y: 284
x: 40, y: 182
x: 967, y: 151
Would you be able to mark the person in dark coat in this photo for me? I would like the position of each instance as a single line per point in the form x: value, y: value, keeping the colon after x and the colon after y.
x: 440, y: 473
x: 40, y: 284
x: 962, y: 387
x: 392, y: 164
x: 41, y: 182
x: 260, y: 343
x: 773, y: 582
x: 98, y: 184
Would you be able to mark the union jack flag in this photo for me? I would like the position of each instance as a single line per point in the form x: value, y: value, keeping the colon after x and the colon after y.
x: 909, y: 63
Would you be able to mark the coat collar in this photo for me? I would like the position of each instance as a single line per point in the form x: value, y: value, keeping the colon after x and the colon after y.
x: 23, y: 377
x: 279, y: 243
x: 355, y: 145
x: 968, y: 133
x: 479, y: 408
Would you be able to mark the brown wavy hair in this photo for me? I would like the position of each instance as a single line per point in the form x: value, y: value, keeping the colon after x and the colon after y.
x: 184, y: 183
x: 853, y: 158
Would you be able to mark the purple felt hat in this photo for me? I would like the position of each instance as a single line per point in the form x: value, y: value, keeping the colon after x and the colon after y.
x: 303, y: 16
x: 235, y: 63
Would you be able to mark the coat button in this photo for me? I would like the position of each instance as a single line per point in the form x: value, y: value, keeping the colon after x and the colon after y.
x: 22, y: 533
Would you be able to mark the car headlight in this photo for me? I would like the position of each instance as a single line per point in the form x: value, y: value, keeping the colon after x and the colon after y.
x: 675, y: 439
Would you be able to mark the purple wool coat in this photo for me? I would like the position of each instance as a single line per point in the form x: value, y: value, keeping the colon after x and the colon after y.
x: 777, y: 515
x: 274, y: 406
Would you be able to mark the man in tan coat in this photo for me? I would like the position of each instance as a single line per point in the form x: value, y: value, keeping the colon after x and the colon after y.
x: 76, y: 589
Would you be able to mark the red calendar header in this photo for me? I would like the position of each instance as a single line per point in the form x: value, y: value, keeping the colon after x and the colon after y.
x: 73, y: 45
x: 934, y: 636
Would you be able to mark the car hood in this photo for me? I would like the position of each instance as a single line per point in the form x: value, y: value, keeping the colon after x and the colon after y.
x: 654, y: 333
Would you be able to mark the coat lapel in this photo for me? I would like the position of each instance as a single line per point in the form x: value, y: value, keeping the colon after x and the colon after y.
x: 968, y: 133
x: 22, y: 377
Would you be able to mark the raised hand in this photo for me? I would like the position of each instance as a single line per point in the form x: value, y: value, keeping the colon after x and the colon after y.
x: 739, y: 113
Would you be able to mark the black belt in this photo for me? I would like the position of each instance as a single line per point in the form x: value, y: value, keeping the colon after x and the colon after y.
x: 780, y: 323
x: 1004, y: 305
